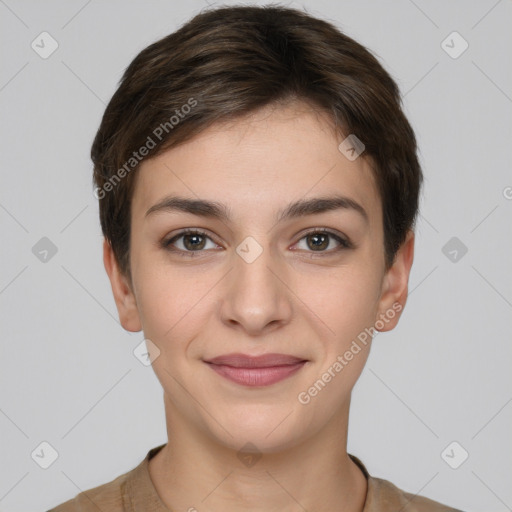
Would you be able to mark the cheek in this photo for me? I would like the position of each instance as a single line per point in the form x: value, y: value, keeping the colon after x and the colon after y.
x: 345, y: 301
x: 347, y: 304
x: 170, y: 302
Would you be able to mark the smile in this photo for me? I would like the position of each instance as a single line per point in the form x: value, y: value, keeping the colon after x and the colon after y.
x: 256, y: 371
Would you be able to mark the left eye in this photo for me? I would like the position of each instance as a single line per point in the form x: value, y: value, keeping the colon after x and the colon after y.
x: 319, y: 241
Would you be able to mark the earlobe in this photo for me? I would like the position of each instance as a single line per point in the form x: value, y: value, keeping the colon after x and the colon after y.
x: 122, y: 291
x: 395, y: 286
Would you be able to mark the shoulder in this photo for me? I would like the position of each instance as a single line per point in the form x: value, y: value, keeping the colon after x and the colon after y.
x: 108, y: 496
x: 117, y: 495
x: 386, y: 496
x: 383, y: 496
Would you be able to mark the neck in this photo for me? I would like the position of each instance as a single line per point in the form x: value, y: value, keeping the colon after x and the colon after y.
x: 193, y: 472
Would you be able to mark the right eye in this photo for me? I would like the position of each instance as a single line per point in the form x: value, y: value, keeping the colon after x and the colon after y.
x: 188, y: 242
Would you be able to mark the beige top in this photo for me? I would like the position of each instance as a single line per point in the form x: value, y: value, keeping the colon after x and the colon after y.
x: 134, y: 492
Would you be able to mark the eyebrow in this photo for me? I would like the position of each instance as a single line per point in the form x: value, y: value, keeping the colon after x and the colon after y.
x: 216, y: 210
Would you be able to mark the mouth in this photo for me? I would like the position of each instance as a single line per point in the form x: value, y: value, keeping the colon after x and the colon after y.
x: 263, y: 370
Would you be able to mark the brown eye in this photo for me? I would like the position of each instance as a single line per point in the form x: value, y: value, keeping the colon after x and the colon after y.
x: 318, y: 241
x: 323, y: 241
x: 194, y: 242
x: 189, y: 242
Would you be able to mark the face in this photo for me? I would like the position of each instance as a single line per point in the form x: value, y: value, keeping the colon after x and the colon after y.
x: 255, y: 275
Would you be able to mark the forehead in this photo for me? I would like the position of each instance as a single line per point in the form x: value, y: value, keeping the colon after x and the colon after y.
x: 258, y: 164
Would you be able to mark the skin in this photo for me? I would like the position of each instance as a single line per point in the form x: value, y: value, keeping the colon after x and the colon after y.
x: 290, y: 300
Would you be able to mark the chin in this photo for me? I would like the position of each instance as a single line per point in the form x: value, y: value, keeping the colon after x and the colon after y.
x: 259, y: 433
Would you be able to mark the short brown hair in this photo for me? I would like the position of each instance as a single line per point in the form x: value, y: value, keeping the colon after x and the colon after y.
x: 227, y: 62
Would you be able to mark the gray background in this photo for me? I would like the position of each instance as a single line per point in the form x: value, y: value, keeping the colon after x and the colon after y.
x: 68, y: 374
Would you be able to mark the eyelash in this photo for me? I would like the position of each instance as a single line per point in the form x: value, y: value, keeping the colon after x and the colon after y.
x: 167, y: 244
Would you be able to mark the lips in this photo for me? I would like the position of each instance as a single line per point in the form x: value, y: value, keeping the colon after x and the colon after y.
x: 262, y: 370
x: 263, y: 361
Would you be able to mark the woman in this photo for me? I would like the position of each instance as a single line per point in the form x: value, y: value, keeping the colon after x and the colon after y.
x: 258, y: 186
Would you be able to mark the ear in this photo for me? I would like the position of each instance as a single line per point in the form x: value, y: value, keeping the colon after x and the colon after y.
x: 123, y: 294
x: 395, y: 286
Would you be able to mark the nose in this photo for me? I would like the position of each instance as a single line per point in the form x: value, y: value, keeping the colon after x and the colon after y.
x: 256, y: 298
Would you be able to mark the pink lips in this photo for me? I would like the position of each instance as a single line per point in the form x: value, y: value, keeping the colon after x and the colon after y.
x: 261, y: 370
